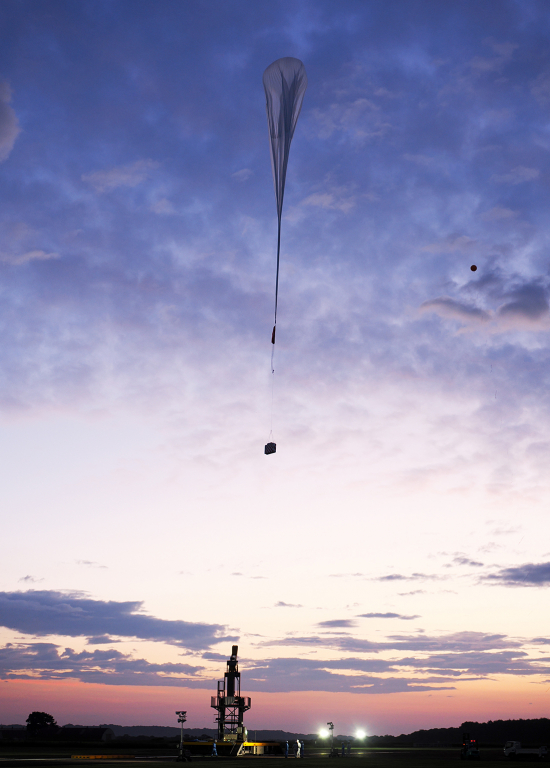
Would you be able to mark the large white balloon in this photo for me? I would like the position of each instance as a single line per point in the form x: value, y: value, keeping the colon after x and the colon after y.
x: 285, y: 84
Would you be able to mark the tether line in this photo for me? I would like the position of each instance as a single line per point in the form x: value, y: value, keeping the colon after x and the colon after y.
x: 277, y: 276
x: 276, y: 289
x: 275, y: 324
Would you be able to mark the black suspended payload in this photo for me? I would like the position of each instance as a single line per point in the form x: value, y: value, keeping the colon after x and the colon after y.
x: 285, y: 83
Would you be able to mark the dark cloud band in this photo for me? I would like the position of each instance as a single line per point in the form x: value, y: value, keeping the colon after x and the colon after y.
x: 527, y: 575
x: 44, y: 612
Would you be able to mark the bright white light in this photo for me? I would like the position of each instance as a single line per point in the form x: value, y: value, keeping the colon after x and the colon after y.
x: 323, y: 733
x: 360, y: 734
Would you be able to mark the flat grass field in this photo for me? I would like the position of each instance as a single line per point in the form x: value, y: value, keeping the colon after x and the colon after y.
x: 361, y: 758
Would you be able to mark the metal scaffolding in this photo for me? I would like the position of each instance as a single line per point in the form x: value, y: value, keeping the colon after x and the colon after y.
x: 229, y: 703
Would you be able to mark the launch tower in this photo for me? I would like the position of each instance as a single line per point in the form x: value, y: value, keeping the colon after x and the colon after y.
x: 229, y: 703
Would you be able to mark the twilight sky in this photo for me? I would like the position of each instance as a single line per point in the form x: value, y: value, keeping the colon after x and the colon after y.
x: 395, y: 551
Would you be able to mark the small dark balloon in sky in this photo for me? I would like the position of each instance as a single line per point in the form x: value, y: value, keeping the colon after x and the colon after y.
x: 473, y: 267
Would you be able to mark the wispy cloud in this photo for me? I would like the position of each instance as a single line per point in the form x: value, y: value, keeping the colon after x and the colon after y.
x: 503, y: 52
x: 243, y: 175
x: 499, y: 214
x: 388, y: 615
x: 444, y: 306
x: 23, y: 258
x: 411, y: 577
x: 454, y: 642
x: 424, y: 161
x: 359, y: 120
x: 451, y: 244
x: 247, y: 576
x: 517, y: 175
x: 462, y: 560
x: 337, y: 623
x: 337, y: 199
x: 121, y: 176
x: 90, y: 564
x: 356, y: 575
x: 352, y: 675
x: 163, y: 207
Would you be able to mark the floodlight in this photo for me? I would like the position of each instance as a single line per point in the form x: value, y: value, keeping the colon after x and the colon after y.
x: 323, y: 733
x: 360, y: 734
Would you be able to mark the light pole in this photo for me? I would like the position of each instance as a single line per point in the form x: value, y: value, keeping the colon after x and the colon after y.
x: 331, y: 731
x: 182, y: 717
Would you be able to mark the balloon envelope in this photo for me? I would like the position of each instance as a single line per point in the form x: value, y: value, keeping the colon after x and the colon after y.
x: 285, y: 84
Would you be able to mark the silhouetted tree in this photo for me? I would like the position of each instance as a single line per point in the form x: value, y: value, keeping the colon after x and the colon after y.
x: 41, y: 723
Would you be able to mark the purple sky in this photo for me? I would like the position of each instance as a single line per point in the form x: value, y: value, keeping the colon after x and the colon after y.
x: 397, y: 542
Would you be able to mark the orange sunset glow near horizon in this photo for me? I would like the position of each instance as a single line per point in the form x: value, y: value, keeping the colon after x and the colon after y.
x: 302, y: 712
